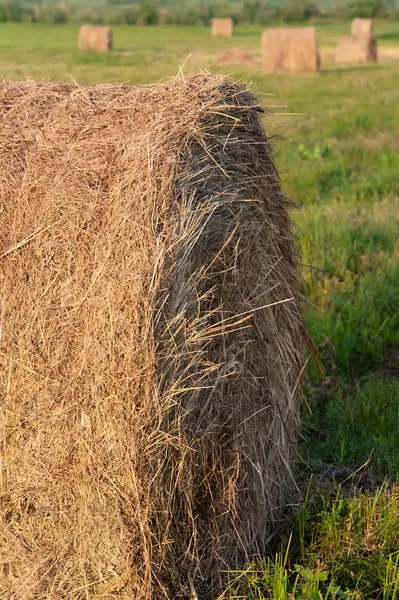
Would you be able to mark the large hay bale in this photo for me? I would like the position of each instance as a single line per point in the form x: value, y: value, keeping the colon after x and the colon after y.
x: 92, y: 37
x: 290, y: 50
x: 356, y: 49
x: 222, y: 27
x: 235, y: 56
x: 362, y: 27
x: 151, y: 338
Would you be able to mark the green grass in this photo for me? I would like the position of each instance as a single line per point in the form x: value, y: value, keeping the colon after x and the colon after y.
x: 355, y: 426
x: 346, y: 548
x: 337, y: 147
x: 142, y: 54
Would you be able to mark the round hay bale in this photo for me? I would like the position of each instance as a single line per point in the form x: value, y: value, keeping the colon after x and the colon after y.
x: 93, y: 37
x: 290, y: 50
x: 235, y: 56
x: 362, y: 27
x: 151, y: 338
x: 356, y: 49
x: 222, y: 27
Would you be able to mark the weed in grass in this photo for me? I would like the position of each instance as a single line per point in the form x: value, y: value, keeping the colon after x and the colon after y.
x: 319, y: 151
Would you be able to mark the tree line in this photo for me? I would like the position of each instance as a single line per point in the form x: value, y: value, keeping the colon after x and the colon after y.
x: 154, y: 12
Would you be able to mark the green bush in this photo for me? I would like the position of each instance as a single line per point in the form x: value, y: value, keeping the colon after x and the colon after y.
x: 148, y: 13
x: 300, y: 10
x: 368, y: 9
x: 60, y: 16
x: 13, y: 12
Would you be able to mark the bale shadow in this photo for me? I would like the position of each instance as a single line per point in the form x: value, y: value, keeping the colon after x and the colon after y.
x: 350, y: 68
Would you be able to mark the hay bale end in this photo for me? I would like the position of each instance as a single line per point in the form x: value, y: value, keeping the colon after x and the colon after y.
x: 152, y: 338
x: 356, y: 49
x: 290, y: 50
x: 362, y: 27
x: 93, y: 37
x: 222, y: 27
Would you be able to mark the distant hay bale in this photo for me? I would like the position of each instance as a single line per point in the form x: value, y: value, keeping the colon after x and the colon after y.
x: 92, y: 37
x: 361, y: 46
x: 36, y: 12
x: 362, y: 27
x: 151, y: 338
x: 290, y: 50
x: 235, y: 56
x: 356, y: 49
x: 223, y: 27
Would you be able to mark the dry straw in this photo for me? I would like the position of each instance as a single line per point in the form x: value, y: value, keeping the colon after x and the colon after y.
x: 92, y: 37
x: 151, y: 339
x: 222, y: 27
x: 290, y: 50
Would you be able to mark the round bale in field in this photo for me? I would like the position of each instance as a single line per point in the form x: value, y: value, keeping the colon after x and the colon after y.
x: 152, y: 338
x: 362, y: 27
x: 290, y: 50
x: 356, y: 49
x: 223, y: 27
x: 93, y: 37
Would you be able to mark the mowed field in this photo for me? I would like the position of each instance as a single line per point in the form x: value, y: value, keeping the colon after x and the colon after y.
x: 336, y: 138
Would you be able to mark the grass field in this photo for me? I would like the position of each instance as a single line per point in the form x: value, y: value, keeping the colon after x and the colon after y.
x: 142, y: 54
x: 337, y: 148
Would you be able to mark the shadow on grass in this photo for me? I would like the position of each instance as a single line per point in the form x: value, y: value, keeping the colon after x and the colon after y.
x: 350, y: 68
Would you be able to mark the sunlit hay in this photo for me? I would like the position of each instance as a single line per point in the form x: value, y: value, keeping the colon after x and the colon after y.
x: 223, y: 27
x: 356, y: 49
x: 151, y: 339
x: 290, y: 50
x: 92, y: 37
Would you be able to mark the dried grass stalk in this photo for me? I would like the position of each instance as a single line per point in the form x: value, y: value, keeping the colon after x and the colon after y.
x: 151, y: 338
x: 356, y: 49
x: 223, y: 27
x: 92, y: 37
x: 290, y: 50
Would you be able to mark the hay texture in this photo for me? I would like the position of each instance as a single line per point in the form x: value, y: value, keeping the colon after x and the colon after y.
x: 92, y: 37
x: 356, y: 49
x: 362, y: 28
x: 223, y: 27
x: 151, y: 339
x: 235, y: 56
x: 290, y: 50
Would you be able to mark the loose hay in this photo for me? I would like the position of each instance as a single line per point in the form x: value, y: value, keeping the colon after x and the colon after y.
x: 222, y: 27
x: 151, y: 339
x: 362, y: 28
x: 291, y: 50
x: 235, y: 56
x: 96, y: 38
x: 356, y: 49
